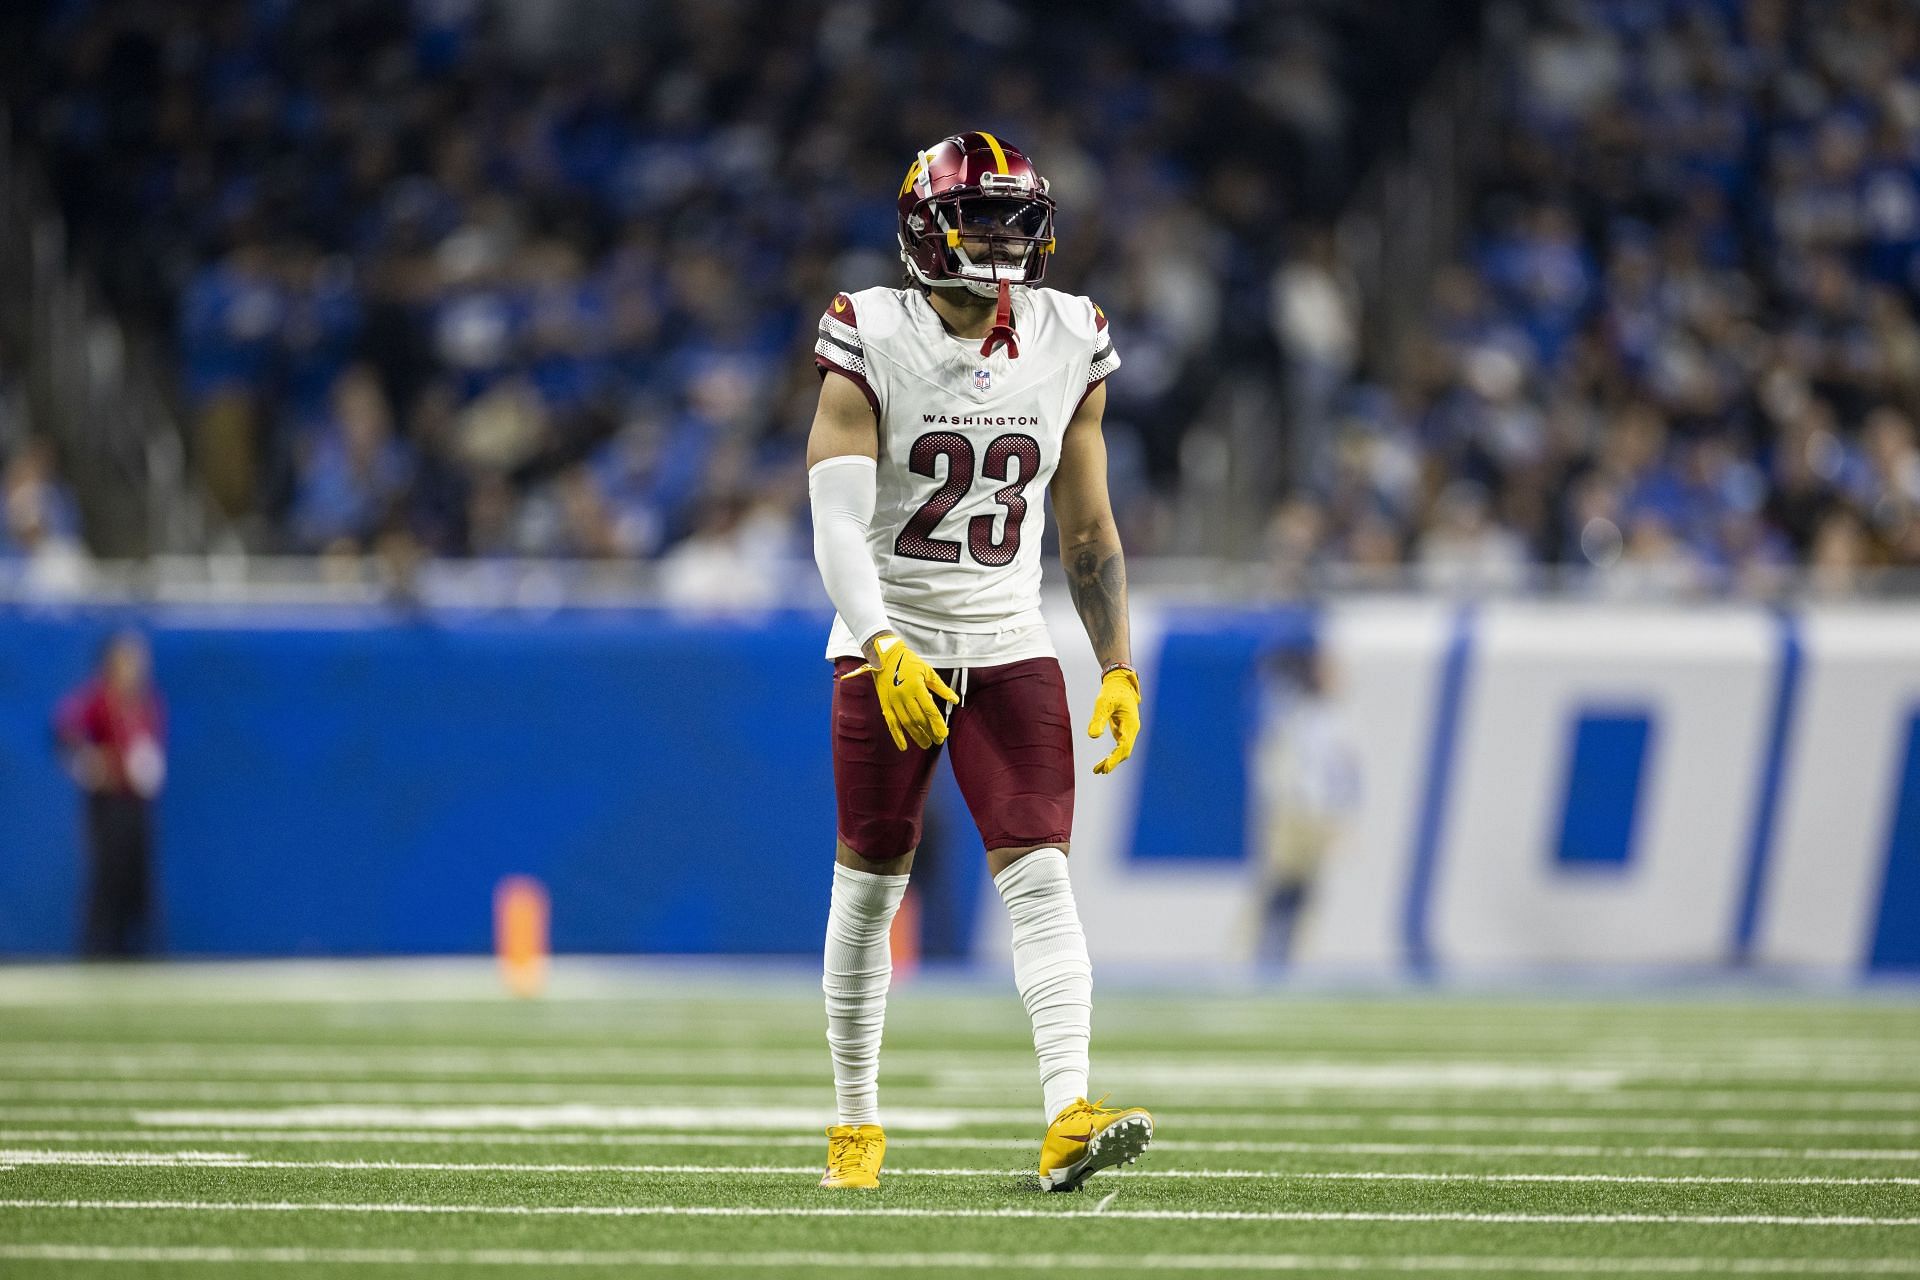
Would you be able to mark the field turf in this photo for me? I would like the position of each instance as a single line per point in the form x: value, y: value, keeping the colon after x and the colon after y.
x: 395, y: 1119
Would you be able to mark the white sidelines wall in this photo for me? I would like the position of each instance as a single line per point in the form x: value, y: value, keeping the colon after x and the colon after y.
x: 1772, y: 758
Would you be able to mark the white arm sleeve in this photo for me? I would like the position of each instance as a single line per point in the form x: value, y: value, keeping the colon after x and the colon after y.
x: 843, y: 491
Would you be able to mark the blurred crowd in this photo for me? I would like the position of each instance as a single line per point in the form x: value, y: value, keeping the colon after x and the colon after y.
x: 1680, y: 343
x: 41, y: 550
x: 487, y: 279
x: 482, y: 279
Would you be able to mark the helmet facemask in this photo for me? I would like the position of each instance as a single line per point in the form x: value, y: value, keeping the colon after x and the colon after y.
x: 983, y: 236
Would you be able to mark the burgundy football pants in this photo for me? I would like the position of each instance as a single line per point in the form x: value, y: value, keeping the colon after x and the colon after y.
x: 1012, y: 756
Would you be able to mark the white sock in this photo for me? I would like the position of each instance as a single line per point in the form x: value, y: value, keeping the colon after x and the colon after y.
x: 1051, y: 968
x: 859, y: 968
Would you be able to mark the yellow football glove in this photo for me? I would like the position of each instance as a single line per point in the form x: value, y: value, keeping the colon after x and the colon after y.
x: 907, y: 685
x: 1118, y: 708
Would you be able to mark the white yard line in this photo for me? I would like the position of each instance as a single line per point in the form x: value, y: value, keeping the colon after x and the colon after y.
x: 431, y: 1137
x: 312, y: 1060
x: 450, y: 980
x: 1624, y: 1124
x: 1479, y: 1150
x: 521, y: 1138
x: 971, y: 1261
x: 1308, y: 1085
x: 94, y: 1074
x: 556, y: 1116
x: 1135, y: 1215
x: 1896, y: 1102
x: 241, y: 1160
x: 1314, y: 1071
x: 1303, y: 1069
x: 596, y: 1115
x: 425, y: 1137
x: 110, y: 1079
x: 492, y: 1093
x: 639, y: 1035
x: 464, y: 981
x: 1295, y: 1098
x: 695, y: 1099
x: 577, y: 982
x: 637, y: 1032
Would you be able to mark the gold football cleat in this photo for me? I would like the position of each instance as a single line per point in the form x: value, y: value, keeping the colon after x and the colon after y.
x: 854, y: 1152
x: 1086, y: 1138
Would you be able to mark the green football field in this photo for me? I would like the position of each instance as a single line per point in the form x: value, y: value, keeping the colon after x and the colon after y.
x: 396, y: 1119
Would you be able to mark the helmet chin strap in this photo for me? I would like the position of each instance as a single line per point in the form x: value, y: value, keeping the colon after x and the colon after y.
x: 1002, y: 335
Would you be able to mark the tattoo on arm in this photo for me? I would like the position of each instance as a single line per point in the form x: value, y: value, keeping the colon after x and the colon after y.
x: 1097, y: 579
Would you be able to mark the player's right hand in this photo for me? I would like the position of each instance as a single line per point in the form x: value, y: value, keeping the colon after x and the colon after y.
x: 907, y: 686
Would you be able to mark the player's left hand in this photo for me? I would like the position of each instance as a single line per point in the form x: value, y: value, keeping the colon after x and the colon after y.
x: 1117, y: 708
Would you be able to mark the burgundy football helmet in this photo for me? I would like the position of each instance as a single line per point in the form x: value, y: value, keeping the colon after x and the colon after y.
x: 974, y: 187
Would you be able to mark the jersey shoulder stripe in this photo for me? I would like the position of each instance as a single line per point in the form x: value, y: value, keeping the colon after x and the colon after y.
x: 838, y: 349
x: 1105, y: 359
x: 840, y: 333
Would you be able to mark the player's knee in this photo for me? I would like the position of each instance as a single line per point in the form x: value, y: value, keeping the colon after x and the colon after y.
x: 881, y: 839
x: 1020, y: 827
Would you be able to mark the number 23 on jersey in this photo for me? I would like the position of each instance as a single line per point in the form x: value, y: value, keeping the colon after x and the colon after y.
x: 1012, y: 459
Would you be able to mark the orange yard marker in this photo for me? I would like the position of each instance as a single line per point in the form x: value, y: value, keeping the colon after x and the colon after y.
x: 903, y: 940
x: 520, y: 933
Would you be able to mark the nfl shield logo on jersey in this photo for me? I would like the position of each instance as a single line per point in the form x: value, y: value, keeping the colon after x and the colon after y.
x: 982, y: 380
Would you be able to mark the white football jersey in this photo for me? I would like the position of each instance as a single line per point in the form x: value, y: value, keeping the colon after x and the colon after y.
x: 968, y: 444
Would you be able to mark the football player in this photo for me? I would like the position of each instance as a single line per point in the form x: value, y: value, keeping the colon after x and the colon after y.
x: 947, y: 409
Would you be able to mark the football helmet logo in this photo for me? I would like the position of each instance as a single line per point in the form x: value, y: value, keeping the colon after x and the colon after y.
x: 975, y: 212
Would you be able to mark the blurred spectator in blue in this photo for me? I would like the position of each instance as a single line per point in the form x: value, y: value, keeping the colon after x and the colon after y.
x: 41, y: 553
x: 353, y: 471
